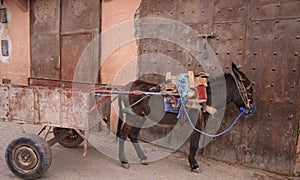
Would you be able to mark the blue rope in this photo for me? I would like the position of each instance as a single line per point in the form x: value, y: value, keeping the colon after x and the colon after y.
x: 183, y: 85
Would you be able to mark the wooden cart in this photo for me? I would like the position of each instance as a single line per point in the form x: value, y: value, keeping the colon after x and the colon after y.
x: 68, y: 113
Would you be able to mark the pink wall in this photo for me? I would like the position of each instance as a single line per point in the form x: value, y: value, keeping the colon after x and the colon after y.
x: 119, y: 48
x: 18, y: 69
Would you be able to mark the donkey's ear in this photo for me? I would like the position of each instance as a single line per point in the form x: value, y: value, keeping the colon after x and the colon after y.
x: 241, y: 76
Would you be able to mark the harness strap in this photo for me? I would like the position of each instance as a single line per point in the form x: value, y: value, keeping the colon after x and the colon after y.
x: 138, y: 101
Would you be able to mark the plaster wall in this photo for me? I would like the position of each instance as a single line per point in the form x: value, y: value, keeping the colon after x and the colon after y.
x: 17, y: 68
x: 118, y: 46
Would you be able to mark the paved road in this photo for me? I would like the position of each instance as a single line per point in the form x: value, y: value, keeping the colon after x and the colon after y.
x: 70, y: 164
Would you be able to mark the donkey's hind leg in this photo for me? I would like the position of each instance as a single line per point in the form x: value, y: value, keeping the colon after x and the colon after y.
x: 133, y: 136
x: 123, y: 135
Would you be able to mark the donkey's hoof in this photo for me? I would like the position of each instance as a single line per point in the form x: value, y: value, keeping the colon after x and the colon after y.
x: 144, y: 162
x: 196, y: 170
x: 125, y: 165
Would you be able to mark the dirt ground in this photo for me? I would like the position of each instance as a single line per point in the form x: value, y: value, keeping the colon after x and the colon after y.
x: 70, y: 164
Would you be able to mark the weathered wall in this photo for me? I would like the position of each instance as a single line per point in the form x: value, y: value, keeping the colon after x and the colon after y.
x: 18, y: 67
x: 263, y: 38
x: 118, y: 55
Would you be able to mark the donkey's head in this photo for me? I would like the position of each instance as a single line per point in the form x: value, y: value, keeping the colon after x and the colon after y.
x: 245, y: 91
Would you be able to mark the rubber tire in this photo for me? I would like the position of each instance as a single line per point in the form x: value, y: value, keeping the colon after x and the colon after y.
x: 36, y: 145
x: 71, y: 141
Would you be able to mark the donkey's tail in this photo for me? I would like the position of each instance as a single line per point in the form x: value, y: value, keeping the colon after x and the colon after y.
x: 120, y: 120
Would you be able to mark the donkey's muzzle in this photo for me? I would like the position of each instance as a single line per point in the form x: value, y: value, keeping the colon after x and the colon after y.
x: 251, y: 111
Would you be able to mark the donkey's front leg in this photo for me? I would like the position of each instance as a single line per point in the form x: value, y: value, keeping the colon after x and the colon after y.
x: 194, y: 144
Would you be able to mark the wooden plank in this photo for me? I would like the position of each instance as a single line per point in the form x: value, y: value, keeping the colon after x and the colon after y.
x: 4, y: 102
x: 22, y: 105
x: 191, y: 79
x: 169, y: 85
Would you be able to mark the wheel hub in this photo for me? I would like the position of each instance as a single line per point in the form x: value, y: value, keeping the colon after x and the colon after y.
x: 26, y: 159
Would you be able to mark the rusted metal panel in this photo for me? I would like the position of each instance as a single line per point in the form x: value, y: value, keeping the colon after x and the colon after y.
x: 60, y: 30
x: 44, y: 16
x: 229, y: 43
x: 195, y: 12
x: 275, y: 68
x: 45, y: 56
x: 274, y: 9
x: 80, y: 15
x: 230, y: 10
x: 72, y: 47
x: 163, y: 9
x: 4, y: 102
x: 44, y: 21
x: 274, y: 49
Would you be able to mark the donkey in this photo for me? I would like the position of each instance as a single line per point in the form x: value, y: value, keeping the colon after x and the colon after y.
x: 239, y: 91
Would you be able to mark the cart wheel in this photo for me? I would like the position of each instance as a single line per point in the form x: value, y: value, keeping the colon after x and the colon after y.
x: 71, y: 141
x: 28, y: 156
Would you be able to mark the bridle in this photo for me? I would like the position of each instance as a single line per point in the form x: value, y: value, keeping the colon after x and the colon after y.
x: 244, y: 94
